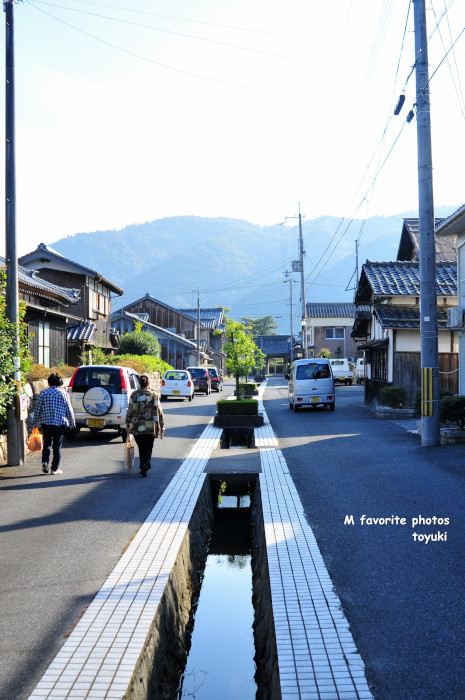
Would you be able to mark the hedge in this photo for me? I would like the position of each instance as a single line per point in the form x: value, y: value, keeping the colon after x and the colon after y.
x: 242, y: 407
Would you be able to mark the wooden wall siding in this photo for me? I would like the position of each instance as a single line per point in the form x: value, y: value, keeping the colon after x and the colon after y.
x: 58, y: 343
x: 69, y: 280
x: 407, y: 371
x: 165, y: 318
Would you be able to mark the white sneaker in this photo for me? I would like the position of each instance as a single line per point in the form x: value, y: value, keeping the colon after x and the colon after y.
x: 57, y: 471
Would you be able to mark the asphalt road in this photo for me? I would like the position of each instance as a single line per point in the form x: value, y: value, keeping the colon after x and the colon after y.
x: 404, y: 598
x: 61, y: 536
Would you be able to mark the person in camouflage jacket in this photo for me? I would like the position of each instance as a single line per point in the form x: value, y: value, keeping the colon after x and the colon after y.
x: 145, y: 420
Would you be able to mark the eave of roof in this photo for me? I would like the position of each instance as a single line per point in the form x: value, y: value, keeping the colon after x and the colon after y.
x: 121, y: 313
x: 43, y: 249
x: 402, y: 278
x: 454, y: 224
x: 330, y: 310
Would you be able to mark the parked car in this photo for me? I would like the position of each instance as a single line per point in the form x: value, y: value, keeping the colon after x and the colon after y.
x: 201, y: 378
x: 216, y: 377
x: 360, y: 370
x: 311, y: 384
x: 341, y: 370
x: 99, y: 396
x: 177, y: 383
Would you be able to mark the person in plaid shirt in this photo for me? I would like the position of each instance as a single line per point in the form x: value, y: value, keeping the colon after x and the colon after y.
x: 53, y: 414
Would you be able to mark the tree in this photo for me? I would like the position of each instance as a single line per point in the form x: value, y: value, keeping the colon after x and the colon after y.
x: 324, y: 352
x: 260, y: 326
x: 240, y: 350
x: 138, y: 343
x: 8, y: 386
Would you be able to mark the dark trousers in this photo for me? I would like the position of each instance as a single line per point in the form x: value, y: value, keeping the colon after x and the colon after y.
x: 145, y: 445
x: 53, y: 439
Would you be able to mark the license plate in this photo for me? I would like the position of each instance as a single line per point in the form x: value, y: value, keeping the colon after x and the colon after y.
x: 96, y: 423
x: 314, y: 399
x: 174, y: 391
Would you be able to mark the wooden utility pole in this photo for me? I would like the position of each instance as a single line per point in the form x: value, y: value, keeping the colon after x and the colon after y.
x: 15, y: 428
x: 430, y: 426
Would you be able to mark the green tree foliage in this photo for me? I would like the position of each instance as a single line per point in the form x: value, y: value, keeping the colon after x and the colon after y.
x: 139, y: 343
x: 324, y: 352
x: 240, y: 350
x: 260, y: 326
x: 7, y: 352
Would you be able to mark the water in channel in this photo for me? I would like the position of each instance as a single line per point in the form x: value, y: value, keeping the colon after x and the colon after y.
x: 221, y: 657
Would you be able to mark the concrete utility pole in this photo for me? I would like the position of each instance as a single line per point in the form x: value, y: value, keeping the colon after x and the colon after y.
x: 198, y: 327
x: 302, y: 291
x: 430, y: 427
x: 291, y: 282
x: 15, y: 429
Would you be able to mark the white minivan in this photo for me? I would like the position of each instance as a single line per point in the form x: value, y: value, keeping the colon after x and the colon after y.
x: 341, y: 370
x: 311, y: 383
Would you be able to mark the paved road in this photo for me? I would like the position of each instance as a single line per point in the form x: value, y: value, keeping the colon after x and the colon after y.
x: 61, y: 536
x: 404, y: 599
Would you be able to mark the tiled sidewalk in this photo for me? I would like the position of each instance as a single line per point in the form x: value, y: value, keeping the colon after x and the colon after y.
x: 98, y: 659
x: 317, y: 656
x: 316, y: 653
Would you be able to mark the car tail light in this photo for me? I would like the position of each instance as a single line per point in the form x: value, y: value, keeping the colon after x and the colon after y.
x: 71, y: 381
x: 124, y: 387
x: 163, y: 382
x: 189, y: 383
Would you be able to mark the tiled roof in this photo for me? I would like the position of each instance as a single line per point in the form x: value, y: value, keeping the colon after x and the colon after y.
x: 403, y: 278
x: 28, y: 278
x: 453, y: 224
x: 209, y: 318
x: 44, y: 250
x: 331, y: 310
x: 396, y: 316
x: 274, y: 344
x: 445, y: 248
x: 122, y: 313
x: 83, y: 332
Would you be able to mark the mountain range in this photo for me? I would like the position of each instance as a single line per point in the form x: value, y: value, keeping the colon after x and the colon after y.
x: 234, y: 263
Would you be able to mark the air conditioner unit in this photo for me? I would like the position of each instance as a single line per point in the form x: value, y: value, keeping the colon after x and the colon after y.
x: 455, y: 317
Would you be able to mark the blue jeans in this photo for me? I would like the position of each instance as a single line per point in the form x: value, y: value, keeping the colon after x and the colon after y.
x: 53, y: 439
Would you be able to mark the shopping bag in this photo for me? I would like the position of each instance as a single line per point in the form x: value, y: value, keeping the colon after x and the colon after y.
x: 129, y: 455
x: 35, y: 443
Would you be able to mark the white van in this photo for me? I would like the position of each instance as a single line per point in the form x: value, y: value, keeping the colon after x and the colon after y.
x: 341, y: 370
x: 360, y: 370
x: 311, y: 383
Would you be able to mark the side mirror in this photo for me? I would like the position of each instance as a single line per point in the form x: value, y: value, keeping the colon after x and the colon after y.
x: 287, y: 376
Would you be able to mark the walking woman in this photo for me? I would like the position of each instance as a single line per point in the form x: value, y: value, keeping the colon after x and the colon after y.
x: 144, y: 420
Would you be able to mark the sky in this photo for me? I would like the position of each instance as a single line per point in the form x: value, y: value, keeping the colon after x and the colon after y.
x: 128, y: 112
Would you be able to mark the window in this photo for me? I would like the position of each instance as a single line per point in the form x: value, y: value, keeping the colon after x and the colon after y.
x: 379, y: 363
x: 334, y: 333
x: 44, y: 344
x: 313, y: 370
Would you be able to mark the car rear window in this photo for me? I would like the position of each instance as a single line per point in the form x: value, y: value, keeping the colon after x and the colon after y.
x: 178, y: 376
x: 86, y: 377
x: 197, y: 372
x: 213, y: 373
x: 313, y: 370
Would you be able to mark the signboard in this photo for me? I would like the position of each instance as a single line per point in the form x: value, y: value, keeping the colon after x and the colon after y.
x: 21, y: 406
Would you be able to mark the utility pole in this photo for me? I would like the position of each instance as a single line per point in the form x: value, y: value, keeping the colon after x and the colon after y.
x: 430, y: 426
x: 15, y: 428
x: 291, y: 282
x: 198, y: 327
x: 302, y: 289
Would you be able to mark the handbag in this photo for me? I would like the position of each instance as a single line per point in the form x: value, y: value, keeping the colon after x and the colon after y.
x: 128, y: 453
x: 36, y: 441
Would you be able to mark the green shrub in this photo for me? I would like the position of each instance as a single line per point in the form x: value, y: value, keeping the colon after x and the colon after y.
x: 417, y: 398
x: 452, y: 408
x: 393, y: 396
x: 139, y: 343
x: 242, y: 407
x: 247, y: 387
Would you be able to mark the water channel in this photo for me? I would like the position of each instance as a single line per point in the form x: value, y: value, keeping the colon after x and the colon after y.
x: 221, y: 656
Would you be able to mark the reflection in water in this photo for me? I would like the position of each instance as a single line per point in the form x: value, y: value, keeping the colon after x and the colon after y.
x: 220, y: 663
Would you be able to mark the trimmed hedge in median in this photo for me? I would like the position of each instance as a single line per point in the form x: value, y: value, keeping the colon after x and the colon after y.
x: 244, y: 407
